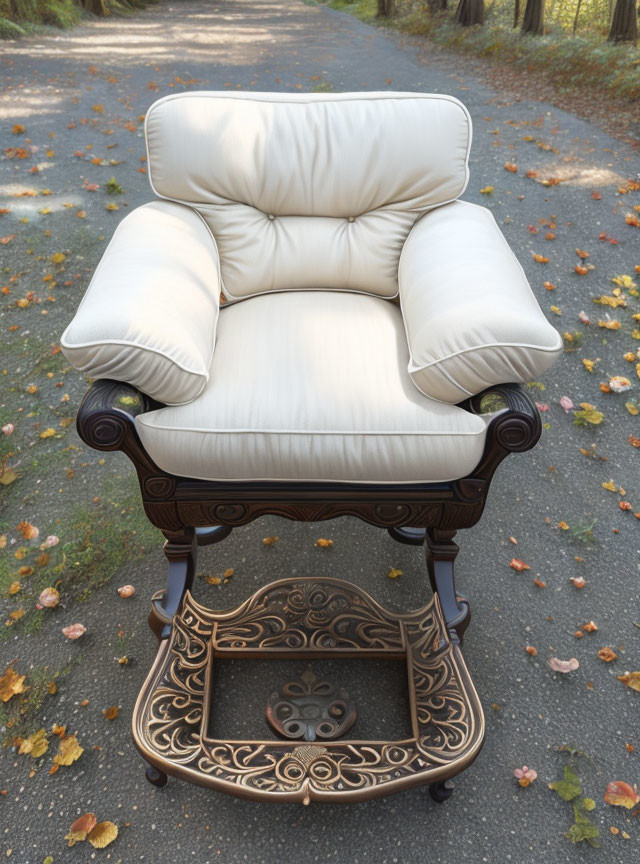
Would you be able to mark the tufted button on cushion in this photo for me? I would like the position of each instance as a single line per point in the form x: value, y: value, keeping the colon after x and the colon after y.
x: 313, y: 386
x: 311, y: 160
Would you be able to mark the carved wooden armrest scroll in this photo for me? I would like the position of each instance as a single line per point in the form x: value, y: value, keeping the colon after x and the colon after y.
x: 514, y: 428
x: 106, y: 419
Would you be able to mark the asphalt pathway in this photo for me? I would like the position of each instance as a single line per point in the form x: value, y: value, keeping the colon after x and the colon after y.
x: 80, y: 96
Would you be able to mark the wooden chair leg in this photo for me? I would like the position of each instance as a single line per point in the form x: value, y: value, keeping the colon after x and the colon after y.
x: 181, y: 550
x: 441, y: 553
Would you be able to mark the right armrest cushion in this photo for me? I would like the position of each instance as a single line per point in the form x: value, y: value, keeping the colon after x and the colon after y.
x: 149, y: 315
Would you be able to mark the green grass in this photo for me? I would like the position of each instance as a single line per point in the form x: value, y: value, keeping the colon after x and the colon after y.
x: 96, y: 540
x: 18, y: 716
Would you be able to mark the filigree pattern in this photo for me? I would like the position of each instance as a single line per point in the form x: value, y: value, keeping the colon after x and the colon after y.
x: 314, y: 617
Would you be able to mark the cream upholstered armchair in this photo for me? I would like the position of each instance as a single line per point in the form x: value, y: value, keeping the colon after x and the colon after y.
x: 310, y: 393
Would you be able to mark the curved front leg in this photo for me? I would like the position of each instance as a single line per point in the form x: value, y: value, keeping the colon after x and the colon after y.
x: 181, y: 548
x: 441, y: 553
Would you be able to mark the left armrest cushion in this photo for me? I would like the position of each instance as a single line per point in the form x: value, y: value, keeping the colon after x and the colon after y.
x: 471, y: 318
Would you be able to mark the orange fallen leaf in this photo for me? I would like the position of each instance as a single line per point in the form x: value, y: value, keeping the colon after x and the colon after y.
x: 111, y: 713
x: 269, y: 541
x: 621, y: 794
x: 511, y: 167
x: 518, y: 565
x: 541, y: 259
x: 323, y: 543
x: 533, y: 652
x: 81, y: 828
x: 590, y: 627
x: 607, y: 654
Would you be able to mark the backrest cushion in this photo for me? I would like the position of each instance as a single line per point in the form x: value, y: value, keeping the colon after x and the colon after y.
x: 303, y: 190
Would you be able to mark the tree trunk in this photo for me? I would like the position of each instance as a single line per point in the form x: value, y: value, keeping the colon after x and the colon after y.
x: 516, y: 14
x: 575, y: 20
x: 469, y: 12
x: 386, y: 8
x: 533, y: 21
x: 96, y: 7
x: 624, y: 26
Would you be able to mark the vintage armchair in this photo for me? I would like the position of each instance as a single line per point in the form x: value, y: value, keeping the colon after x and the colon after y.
x: 365, y: 360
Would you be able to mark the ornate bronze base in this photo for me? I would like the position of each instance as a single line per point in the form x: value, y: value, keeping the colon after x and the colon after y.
x: 309, y: 619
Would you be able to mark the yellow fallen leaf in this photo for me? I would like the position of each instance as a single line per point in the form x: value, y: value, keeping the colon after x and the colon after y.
x: 487, y: 190
x: 588, y: 364
x: 610, y: 486
x: 103, y: 834
x: 631, y: 679
x: 11, y: 684
x: 323, y: 543
x: 632, y: 408
x: 48, y: 433
x: 58, y: 257
x: 14, y: 587
x: 35, y: 745
x: 394, y: 573
x: 68, y: 751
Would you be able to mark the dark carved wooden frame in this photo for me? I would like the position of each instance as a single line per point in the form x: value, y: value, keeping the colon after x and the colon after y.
x: 197, y: 512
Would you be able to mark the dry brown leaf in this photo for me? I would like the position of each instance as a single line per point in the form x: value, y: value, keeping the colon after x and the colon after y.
x: 111, y: 713
x: 607, y: 654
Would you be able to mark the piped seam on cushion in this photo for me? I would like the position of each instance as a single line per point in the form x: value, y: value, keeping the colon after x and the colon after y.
x: 413, y: 368
x: 342, y: 433
x: 98, y: 342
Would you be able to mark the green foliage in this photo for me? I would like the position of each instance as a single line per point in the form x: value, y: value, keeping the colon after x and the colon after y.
x: 568, y: 788
x: 583, y: 61
x: 583, y: 828
x: 10, y: 30
x: 112, y: 187
x: 59, y: 13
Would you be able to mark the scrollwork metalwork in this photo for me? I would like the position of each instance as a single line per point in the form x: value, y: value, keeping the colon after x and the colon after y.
x: 315, y: 617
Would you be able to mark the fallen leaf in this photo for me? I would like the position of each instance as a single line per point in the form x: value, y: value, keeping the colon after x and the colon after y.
x: 74, y: 631
x: 69, y: 750
x: 518, y: 565
x: 111, y: 713
x: 563, y: 666
x: 269, y: 541
x: 621, y: 794
x: 631, y: 679
x: 49, y: 598
x: 511, y: 167
x: 126, y: 591
x: 607, y: 654
x: 487, y: 190
x: 103, y: 834
x: 394, y: 573
x: 590, y: 627
x: 323, y: 543
x: 35, y: 745
x: 11, y: 684
x: 80, y: 828
x: 540, y: 258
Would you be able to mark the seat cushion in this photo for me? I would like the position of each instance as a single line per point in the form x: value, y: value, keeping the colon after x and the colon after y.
x: 313, y: 386
x: 309, y: 190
